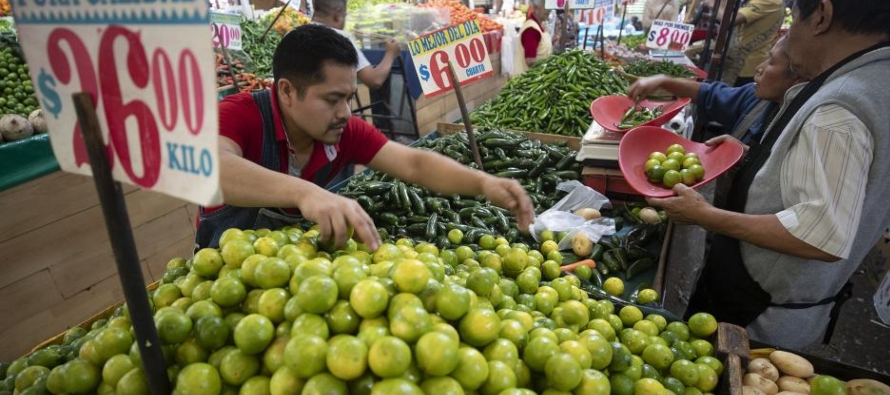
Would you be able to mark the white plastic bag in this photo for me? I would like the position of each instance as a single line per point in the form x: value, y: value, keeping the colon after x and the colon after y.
x: 559, y: 218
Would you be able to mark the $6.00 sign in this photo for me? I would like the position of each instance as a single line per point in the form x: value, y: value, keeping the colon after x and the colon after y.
x: 148, y: 66
x: 462, y: 44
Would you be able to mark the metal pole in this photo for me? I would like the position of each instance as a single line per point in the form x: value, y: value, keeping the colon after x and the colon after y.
x: 121, y: 235
x: 465, y: 115
x: 621, y: 26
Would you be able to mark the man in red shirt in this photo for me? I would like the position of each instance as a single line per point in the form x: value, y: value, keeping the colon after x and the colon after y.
x: 280, y: 148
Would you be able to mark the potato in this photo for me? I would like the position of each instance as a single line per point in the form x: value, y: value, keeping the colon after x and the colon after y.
x: 581, y: 245
x: 749, y: 390
x: 867, y: 387
x: 764, y: 367
x: 588, y: 213
x: 766, y: 385
x: 794, y: 384
x: 649, y: 215
x: 791, y: 364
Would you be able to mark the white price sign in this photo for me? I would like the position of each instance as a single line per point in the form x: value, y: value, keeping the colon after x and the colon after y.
x: 599, y: 14
x: 673, y: 36
x: 579, y: 4
x: 462, y: 44
x: 150, y: 70
x: 226, y: 30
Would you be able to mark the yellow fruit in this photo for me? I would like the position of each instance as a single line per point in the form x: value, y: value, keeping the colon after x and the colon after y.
x: 479, y: 327
x: 306, y: 355
x: 436, y: 353
x: 410, y: 275
x: 347, y: 357
x: 702, y: 325
x: 614, y: 286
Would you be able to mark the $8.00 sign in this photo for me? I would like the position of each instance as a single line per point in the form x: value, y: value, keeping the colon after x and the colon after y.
x: 673, y: 36
x: 149, y: 68
x: 462, y: 44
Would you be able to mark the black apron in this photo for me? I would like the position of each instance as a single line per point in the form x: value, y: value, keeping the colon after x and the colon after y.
x: 213, y: 224
x: 725, y: 288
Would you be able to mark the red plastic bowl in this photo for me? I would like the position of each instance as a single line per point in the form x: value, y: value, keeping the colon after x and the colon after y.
x: 608, y: 110
x: 699, y: 73
x: 637, y: 144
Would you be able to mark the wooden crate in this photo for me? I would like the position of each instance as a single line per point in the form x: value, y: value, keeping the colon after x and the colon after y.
x: 446, y: 129
x: 732, y: 349
x: 86, y: 324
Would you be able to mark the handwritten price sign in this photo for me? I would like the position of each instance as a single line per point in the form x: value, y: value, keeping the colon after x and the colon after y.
x: 673, y: 36
x: 226, y: 30
x: 599, y: 14
x: 149, y: 67
x: 462, y: 44
x: 579, y: 4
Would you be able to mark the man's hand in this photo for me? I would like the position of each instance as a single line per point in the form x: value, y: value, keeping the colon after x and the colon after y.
x: 335, y: 214
x: 725, y: 138
x: 685, y: 208
x: 392, y: 47
x: 643, y: 87
x: 508, y: 194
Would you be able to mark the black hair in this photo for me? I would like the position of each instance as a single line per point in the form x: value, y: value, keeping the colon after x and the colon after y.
x: 328, y: 7
x: 859, y: 16
x: 302, y: 53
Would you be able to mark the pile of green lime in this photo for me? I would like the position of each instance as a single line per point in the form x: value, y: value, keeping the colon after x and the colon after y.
x: 15, y: 85
x: 674, y: 167
x: 272, y: 312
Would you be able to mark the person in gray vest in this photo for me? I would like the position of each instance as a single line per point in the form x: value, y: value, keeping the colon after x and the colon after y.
x: 810, y: 198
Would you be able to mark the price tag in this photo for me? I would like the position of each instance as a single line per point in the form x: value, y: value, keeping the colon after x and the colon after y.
x: 462, y: 44
x: 149, y: 67
x: 599, y: 14
x: 578, y: 4
x: 226, y: 30
x: 672, y: 36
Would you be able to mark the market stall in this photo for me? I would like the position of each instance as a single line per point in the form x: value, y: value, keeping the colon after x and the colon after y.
x: 456, y: 300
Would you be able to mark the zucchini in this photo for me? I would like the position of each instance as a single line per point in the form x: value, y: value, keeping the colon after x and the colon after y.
x: 431, y: 229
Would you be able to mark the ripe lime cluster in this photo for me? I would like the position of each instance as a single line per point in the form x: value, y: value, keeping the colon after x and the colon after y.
x: 675, y: 167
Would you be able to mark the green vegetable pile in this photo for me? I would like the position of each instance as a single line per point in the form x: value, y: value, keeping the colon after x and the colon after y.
x: 260, y: 49
x: 553, y: 96
x: 16, y: 92
x: 637, y: 115
x: 633, y: 41
x: 647, y: 68
x: 403, y: 210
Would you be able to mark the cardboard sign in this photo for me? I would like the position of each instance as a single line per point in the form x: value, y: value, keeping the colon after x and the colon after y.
x: 150, y: 69
x: 462, y: 44
x: 599, y: 14
x: 226, y: 30
x: 579, y: 4
x: 673, y: 36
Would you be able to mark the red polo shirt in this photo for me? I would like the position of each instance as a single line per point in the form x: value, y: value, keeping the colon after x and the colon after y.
x: 240, y: 120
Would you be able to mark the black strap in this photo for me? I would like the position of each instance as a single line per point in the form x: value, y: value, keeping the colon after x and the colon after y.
x: 759, y: 152
x: 845, y: 294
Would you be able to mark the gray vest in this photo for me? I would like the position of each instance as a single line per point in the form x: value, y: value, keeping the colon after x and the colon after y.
x: 862, y: 88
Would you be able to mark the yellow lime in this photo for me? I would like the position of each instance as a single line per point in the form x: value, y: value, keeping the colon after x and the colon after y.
x: 306, y: 355
x: 436, y: 353
x: 236, y: 367
x: 347, y: 357
x: 702, y: 325
x: 614, y: 286
x: 253, y: 333
x: 369, y: 298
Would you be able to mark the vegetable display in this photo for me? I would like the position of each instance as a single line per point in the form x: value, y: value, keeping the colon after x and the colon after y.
x: 402, y: 210
x: 637, y: 115
x: 459, y: 13
x: 645, y: 68
x: 553, y: 96
x: 259, y: 48
x: 289, y: 20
